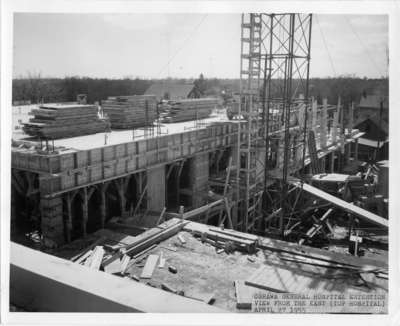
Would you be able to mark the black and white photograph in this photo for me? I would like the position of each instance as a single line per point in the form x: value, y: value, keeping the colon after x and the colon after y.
x: 207, y: 161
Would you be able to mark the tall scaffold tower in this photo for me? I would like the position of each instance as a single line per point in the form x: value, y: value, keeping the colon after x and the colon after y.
x: 249, y: 188
x: 274, y: 105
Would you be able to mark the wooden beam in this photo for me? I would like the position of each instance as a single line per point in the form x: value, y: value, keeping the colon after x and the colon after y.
x: 91, y: 191
x: 348, y: 207
x: 149, y: 266
x: 161, y: 218
x: 197, y: 211
x: 143, y: 243
x: 140, y: 200
x: 272, y: 215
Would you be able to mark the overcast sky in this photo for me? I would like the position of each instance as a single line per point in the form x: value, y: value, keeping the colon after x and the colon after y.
x: 141, y: 45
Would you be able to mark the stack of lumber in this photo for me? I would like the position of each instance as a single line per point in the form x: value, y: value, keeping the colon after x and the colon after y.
x: 186, y: 110
x: 54, y: 121
x: 222, y: 237
x: 126, y: 112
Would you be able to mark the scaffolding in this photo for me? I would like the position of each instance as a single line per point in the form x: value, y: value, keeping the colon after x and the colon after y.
x: 249, y: 187
x: 273, y: 110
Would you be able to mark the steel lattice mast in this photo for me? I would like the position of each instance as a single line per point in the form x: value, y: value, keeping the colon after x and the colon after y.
x: 275, y: 61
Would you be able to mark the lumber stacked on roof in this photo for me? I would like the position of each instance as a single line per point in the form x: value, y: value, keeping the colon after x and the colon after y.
x: 189, y: 109
x: 134, y: 111
x: 64, y: 120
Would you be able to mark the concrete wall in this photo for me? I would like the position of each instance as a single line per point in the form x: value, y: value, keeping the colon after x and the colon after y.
x: 44, y: 283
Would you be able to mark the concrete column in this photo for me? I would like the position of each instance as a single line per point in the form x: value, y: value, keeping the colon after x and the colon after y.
x: 199, y: 178
x: 52, y: 224
x: 156, y: 189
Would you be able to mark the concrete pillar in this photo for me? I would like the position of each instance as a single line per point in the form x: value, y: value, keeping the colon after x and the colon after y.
x: 199, y: 178
x: 52, y: 224
x: 156, y: 189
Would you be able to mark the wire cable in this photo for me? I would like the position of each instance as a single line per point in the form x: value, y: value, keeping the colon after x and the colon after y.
x: 326, y: 46
x: 183, y: 44
x: 364, y: 46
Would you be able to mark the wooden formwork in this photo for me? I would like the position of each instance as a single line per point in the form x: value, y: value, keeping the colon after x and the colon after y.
x: 65, y: 171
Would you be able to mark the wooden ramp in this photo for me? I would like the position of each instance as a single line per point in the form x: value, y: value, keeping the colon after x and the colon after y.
x: 353, y: 209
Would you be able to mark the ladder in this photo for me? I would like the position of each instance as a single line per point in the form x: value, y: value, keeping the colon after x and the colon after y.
x: 249, y: 136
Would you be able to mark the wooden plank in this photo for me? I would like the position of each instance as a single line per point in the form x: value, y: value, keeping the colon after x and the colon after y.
x: 94, y: 244
x: 148, y: 238
x: 181, y: 238
x: 161, y: 264
x: 360, y: 212
x: 236, y: 234
x: 96, y: 257
x: 124, y: 263
x: 84, y: 256
x: 197, y: 211
x: 148, y: 268
x: 244, y: 295
x: 114, y: 267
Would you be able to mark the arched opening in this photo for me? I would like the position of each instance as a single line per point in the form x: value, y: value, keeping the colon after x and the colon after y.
x: 77, y: 217
x: 94, y: 214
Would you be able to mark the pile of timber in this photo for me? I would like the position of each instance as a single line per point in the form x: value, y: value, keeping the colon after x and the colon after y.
x: 53, y: 121
x: 225, y: 238
x: 126, y: 112
x: 189, y: 109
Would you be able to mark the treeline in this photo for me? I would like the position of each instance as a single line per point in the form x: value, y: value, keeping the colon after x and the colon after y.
x: 36, y: 89
x: 45, y: 90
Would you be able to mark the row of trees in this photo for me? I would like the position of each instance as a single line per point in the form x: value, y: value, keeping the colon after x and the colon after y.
x: 37, y: 89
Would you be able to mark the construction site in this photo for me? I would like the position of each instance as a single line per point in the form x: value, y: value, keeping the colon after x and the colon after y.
x: 184, y: 205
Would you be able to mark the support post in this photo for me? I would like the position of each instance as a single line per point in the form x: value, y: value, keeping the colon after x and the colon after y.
x: 85, y: 210
x: 68, y: 224
x: 356, y: 149
x: 103, y: 208
x: 332, y: 162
